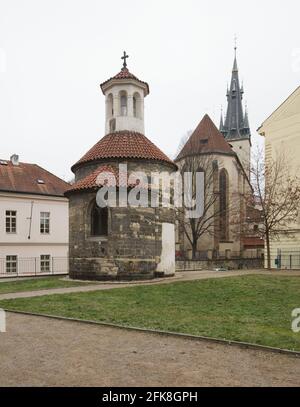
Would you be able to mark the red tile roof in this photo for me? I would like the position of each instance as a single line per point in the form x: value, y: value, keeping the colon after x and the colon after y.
x: 110, y: 177
x: 125, y: 74
x: 24, y: 178
x: 124, y: 144
x: 206, y: 138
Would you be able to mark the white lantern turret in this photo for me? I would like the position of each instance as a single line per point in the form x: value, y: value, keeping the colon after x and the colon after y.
x: 124, y: 98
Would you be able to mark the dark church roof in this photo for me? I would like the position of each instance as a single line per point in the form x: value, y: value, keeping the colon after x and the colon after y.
x: 125, y: 74
x: 30, y: 179
x: 124, y: 144
x: 205, y: 139
x: 236, y: 124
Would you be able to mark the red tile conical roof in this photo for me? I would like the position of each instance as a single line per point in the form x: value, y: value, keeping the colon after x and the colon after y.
x: 124, y: 144
x: 111, y: 178
x: 125, y: 74
x: 205, y: 139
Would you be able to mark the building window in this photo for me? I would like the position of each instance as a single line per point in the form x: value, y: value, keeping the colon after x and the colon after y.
x: 110, y: 105
x: 137, y: 105
x: 45, y: 263
x: 11, y: 264
x: 99, y: 221
x: 123, y: 102
x: 223, y: 182
x: 11, y: 221
x: 112, y: 125
x: 134, y: 107
x: 45, y: 223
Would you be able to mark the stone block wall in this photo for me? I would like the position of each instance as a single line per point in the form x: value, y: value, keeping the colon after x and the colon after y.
x: 133, y: 247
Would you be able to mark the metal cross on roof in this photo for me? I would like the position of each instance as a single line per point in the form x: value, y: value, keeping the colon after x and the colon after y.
x: 124, y: 57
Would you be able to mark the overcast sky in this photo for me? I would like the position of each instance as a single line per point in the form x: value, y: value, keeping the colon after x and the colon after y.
x: 55, y: 53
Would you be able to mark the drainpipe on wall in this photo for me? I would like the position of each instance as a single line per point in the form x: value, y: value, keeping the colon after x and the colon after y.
x: 30, y: 220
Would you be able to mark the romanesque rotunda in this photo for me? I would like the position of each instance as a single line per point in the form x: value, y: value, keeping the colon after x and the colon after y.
x: 120, y: 241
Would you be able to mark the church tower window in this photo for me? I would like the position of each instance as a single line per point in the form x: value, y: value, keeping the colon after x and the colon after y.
x: 99, y: 221
x: 112, y: 125
x: 123, y: 103
x: 234, y: 86
x: 137, y: 105
x: 134, y: 107
x: 110, y: 105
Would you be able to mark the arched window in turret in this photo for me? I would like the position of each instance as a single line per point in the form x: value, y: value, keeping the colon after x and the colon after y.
x: 223, y: 187
x: 112, y: 125
x: 123, y: 103
x: 99, y: 220
x: 137, y: 105
x: 110, y: 105
x: 134, y: 106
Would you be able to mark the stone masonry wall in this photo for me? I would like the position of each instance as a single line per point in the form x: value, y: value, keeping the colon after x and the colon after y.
x: 133, y: 246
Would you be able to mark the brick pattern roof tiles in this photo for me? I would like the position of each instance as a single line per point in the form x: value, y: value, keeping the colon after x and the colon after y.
x: 109, y: 177
x: 124, y: 144
x: 205, y: 139
x: 30, y: 178
x: 125, y: 74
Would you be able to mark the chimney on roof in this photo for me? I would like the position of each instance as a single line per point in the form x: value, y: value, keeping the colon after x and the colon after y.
x: 14, y: 159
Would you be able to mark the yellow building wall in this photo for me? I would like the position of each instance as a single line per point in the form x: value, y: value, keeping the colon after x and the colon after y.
x: 282, y: 133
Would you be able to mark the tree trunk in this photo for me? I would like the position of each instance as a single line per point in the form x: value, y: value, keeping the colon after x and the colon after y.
x: 268, y: 250
x: 194, y: 250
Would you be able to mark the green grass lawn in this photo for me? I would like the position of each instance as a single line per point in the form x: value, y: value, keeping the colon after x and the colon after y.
x: 33, y: 284
x: 254, y: 309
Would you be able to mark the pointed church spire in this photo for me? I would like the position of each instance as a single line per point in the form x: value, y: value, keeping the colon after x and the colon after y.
x: 235, y: 67
x: 246, y: 119
x: 221, y: 120
x: 233, y: 127
x: 242, y: 88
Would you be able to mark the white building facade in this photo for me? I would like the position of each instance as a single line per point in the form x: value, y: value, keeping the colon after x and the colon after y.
x: 33, y: 221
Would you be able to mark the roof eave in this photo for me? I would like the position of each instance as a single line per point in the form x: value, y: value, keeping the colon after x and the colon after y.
x: 211, y: 152
x: 32, y: 193
x: 107, y: 159
x: 105, y: 86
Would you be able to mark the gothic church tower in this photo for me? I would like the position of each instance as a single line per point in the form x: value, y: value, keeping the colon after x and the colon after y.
x: 236, y: 129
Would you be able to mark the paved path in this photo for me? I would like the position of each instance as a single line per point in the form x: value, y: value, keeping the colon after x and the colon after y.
x: 180, y: 276
x: 36, y: 351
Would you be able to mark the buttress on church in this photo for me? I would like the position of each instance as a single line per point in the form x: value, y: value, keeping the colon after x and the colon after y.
x: 135, y: 242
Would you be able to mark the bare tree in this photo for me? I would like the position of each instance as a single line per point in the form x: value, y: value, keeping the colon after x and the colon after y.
x: 195, y: 228
x: 209, y: 223
x: 182, y: 142
x: 277, y: 193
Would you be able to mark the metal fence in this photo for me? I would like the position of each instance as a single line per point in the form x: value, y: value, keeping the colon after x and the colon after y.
x: 33, y: 266
x: 217, y: 255
x: 287, y: 261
